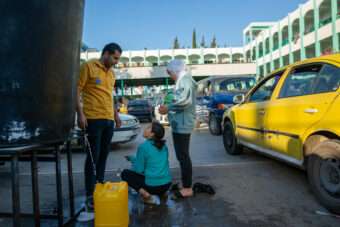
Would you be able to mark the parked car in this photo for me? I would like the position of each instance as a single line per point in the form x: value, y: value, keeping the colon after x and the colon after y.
x: 128, y: 131
x: 141, y: 109
x: 215, y: 95
x: 293, y: 115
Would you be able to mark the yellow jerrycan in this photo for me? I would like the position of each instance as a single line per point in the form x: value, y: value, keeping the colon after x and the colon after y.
x: 111, y: 205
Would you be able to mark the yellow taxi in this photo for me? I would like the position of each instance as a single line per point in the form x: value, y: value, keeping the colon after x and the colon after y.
x: 294, y: 115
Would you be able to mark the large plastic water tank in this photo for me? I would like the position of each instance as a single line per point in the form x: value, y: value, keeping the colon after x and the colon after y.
x: 39, y: 65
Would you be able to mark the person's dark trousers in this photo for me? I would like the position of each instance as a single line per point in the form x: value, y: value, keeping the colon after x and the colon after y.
x: 100, y: 133
x: 182, y: 146
x: 137, y: 181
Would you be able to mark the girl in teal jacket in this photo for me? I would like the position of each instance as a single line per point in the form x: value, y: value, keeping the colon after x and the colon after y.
x: 150, y: 173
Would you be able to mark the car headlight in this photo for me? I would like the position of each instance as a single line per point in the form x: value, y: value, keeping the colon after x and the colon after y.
x: 224, y: 106
x: 128, y: 123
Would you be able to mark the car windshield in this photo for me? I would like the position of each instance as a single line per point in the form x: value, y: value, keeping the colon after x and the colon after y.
x: 235, y: 85
x: 138, y: 103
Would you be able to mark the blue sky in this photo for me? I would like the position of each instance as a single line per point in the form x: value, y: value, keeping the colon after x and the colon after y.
x: 153, y: 24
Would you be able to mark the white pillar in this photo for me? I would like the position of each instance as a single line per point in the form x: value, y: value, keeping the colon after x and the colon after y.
x: 159, y: 57
x: 216, y: 55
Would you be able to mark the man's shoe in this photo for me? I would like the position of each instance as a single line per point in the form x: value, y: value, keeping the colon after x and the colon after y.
x: 89, y: 206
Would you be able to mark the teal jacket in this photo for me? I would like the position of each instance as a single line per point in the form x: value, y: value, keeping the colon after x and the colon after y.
x: 182, y: 111
x: 152, y: 163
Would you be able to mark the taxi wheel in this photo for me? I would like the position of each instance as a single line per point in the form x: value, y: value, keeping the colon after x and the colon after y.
x: 214, y: 125
x: 324, y: 175
x: 230, y: 141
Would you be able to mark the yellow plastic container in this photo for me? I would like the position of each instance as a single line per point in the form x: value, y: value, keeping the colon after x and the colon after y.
x: 111, y: 205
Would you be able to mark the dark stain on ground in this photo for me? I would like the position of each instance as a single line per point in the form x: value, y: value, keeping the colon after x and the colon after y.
x: 199, y: 211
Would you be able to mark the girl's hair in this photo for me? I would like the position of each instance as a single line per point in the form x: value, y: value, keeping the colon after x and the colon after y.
x: 158, y: 130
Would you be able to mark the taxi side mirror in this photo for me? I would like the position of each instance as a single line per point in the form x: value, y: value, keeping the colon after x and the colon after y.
x: 238, y: 99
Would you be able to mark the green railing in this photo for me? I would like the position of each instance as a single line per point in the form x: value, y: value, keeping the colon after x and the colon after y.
x: 325, y: 21
x: 285, y: 42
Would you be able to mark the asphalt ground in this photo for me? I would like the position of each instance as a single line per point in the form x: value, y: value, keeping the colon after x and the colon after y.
x: 251, y: 190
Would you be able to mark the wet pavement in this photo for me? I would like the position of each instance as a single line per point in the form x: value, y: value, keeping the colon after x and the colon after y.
x: 251, y: 190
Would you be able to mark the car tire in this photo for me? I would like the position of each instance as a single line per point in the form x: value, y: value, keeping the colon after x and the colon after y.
x: 230, y: 141
x: 324, y: 175
x: 214, y: 125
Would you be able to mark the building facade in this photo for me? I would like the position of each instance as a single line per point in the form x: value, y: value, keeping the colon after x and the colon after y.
x: 147, y: 58
x: 313, y: 29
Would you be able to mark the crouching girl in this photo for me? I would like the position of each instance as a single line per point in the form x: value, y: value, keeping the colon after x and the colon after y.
x: 150, y: 173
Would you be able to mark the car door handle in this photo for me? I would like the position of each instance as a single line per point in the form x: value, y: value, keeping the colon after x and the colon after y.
x: 311, y: 110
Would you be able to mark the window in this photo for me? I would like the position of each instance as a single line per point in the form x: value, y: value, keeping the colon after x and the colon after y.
x: 328, y: 80
x: 200, y: 89
x: 203, y: 88
x: 311, y: 79
x: 208, y: 89
x: 265, y: 90
x: 235, y: 85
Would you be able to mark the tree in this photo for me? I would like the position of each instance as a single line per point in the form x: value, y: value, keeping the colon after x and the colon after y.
x: 84, y: 47
x: 213, y: 42
x: 194, y: 42
x: 202, y: 42
x: 176, y: 44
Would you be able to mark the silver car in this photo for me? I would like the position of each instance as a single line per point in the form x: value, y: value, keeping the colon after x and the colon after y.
x: 128, y: 131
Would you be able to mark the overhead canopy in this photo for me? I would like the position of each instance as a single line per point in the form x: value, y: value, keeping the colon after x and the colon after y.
x: 149, y: 81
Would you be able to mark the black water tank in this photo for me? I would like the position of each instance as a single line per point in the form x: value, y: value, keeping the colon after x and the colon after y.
x: 39, y: 63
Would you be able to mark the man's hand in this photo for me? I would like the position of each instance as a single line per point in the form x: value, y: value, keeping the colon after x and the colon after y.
x: 163, y: 109
x: 82, y: 121
x: 118, y: 121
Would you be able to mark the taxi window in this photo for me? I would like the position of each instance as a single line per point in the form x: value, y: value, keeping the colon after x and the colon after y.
x: 328, y: 79
x: 266, y: 89
x: 311, y: 79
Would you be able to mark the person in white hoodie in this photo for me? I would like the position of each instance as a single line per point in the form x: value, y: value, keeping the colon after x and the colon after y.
x: 182, y: 114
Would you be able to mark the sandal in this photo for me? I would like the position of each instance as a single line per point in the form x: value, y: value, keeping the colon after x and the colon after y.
x: 203, y: 188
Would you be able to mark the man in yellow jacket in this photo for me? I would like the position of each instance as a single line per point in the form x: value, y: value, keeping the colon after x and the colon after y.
x: 97, y: 115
